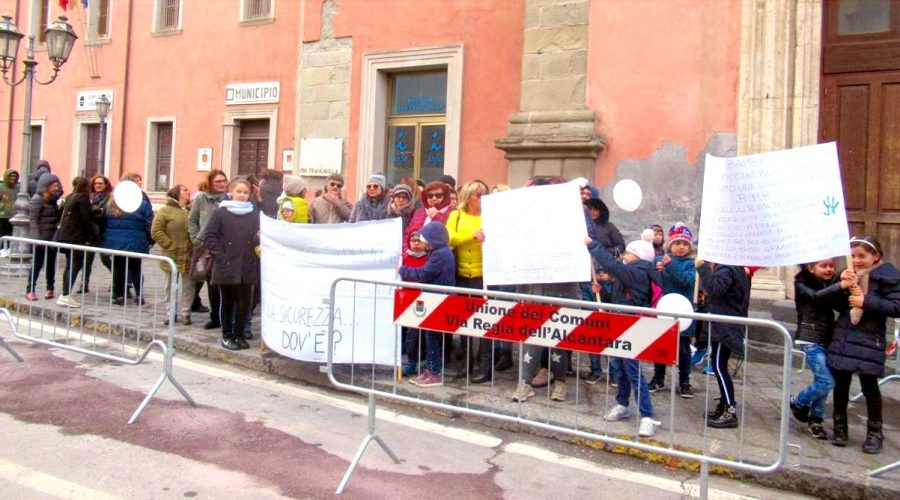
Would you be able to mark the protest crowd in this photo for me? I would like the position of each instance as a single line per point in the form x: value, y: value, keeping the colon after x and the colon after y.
x: 841, y: 317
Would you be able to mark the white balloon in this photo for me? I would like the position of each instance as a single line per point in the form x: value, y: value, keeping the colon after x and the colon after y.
x: 675, y: 303
x: 627, y: 195
x: 128, y: 196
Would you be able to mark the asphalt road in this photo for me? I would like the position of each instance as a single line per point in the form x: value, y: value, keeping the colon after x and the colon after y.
x: 64, y: 435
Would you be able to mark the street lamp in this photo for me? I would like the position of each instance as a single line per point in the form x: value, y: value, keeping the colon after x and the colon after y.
x: 60, y: 39
x: 102, y: 112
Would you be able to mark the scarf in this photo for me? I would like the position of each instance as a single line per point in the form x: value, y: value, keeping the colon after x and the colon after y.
x: 863, y: 275
x: 237, y: 207
x: 441, y: 211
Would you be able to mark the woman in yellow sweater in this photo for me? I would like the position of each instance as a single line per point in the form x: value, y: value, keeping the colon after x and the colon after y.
x: 466, y: 236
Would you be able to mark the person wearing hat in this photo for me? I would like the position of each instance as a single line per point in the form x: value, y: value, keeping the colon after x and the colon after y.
x: 373, y: 205
x: 401, y: 204
x: 295, y: 194
x: 633, y: 286
x: 678, y: 276
x: 330, y: 207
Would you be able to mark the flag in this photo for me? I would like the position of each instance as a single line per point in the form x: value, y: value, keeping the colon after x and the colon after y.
x: 64, y: 4
x: 84, y: 3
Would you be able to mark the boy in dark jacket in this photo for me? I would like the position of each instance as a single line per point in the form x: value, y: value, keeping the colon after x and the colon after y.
x: 440, y: 269
x: 630, y: 286
x: 43, y: 213
x: 727, y: 292
x: 818, y: 293
x: 678, y: 276
x: 414, y: 257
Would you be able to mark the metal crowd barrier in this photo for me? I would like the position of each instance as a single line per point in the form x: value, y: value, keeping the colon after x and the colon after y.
x: 684, y: 433
x: 94, y: 324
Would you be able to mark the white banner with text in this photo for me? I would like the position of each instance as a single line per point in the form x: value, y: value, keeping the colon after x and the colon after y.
x: 299, y: 264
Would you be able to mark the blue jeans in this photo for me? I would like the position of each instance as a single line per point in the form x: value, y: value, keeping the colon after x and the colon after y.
x: 815, y: 395
x: 433, y: 351
x: 629, y: 374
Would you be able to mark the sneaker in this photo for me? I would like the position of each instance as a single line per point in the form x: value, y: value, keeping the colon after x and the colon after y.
x: 558, y: 393
x: 686, y: 391
x: 523, y: 393
x: 592, y: 378
x: 31, y: 296
x: 617, y: 412
x: 801, y: 413
x: 698, y: 357
x: 727, y: 420
x: 709, y: 369
x: 648, y: 427
x: 428, y: 379
x: 542, y: 378
x: 656, y: 385
x: 49, y: 295
x: 816, y: 428
x: 119, y: 301
x: 414, y: 380
x: 68, y: 301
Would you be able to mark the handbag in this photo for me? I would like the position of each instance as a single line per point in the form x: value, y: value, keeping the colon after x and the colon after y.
x: 201, y: 263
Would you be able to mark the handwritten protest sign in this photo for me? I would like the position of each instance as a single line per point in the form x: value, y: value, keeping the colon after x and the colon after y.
x: 535, y: 235
x: 774, y: 209
x: 299, y: 264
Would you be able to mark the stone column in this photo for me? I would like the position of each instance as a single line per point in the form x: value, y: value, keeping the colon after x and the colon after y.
x: 553, y: 133
x: 778, y: 101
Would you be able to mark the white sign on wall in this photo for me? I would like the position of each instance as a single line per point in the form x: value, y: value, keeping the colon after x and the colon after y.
x: 204, y: 159
x: 299, y: 264
x: 287, y: 160
x: 87, y: 100
x: 774, y: 209
x: 321, y: 157
x: 252, y: 93
x: 535, y: 235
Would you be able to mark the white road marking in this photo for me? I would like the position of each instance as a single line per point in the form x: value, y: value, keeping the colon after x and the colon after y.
x: 47, y: 484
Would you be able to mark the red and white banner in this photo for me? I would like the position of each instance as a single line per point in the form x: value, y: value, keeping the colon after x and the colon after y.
x: 596, y: 332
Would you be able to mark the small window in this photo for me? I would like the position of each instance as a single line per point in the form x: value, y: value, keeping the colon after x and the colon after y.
x: 253, y: 10
x: 98, y: 20
x: 858, y: 17
x: 161, y: 143
x: 37, y: 142
x: 168, y: 15
x: 41, y: 8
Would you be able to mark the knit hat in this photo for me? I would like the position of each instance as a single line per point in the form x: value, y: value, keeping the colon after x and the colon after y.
x: 287, y: 205
x: 293, y: 185
x: 448, y: 180
x: 642, y: 248
x: 681, y: 232
x: 377, y: 179
x: 403, y: 188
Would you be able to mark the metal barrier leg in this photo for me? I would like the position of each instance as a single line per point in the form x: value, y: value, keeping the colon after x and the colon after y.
x: 704, y: 480
x: 890, y: 378
x: 365, y: 443
x: 167, y: 374
x: 886, y: 468
x: 5, y: 313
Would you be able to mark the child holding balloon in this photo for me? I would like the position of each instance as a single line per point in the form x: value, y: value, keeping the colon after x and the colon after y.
x: 678, y: 276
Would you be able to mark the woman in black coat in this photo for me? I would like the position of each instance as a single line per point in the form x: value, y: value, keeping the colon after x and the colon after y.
x: 101, y: 190
x: 232, y: 234
x: 859, y: 337
x: 76, y: 226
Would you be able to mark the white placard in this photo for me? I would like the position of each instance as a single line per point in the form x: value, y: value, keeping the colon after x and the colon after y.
x: 320, y: 157
x: 287, y: 160
x: 204, y: 159
x: 299, y: 264
x: 774, y: 209
x: 535, y: 235
x: 87, y: 100
x: 252, y: 93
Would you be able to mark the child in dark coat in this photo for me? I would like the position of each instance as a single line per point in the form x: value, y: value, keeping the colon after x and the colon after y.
x: 631, y: 286
x: 440, y: 269
x: 415, y: 256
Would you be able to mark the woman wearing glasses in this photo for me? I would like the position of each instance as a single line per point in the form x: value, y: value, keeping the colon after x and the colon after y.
x: 436, y: 200
x: 101, y: 189
x: 330, y: 207
x: 374, y: 204
x: 201, y: 210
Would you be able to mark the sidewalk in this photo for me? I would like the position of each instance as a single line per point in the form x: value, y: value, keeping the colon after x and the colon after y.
x: 817, y: 469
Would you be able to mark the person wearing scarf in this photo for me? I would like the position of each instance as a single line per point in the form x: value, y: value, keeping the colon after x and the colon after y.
x: 436, y: 207
x: 401, y: 204
x: 373, y: 205
x: 201, y: 210
x: 232, y: 235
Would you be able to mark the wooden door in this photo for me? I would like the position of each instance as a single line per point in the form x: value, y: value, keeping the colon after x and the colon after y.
x: 253, y: 146
x: 92, y: 153
x: 860, y: 109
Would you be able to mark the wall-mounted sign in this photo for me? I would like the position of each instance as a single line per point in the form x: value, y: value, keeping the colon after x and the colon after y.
x: 204, y: 159
x: 321, y: 157
x: 252, y: 93
x: 87, y: 100
x: 287, y: 160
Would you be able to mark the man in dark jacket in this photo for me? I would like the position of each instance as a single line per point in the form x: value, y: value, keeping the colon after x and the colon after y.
x: 43, y: 213
x: 9, y: 188
x: 43, y: 167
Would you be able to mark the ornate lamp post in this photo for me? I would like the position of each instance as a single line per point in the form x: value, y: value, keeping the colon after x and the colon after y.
x: 60, y: 39
x: 102, y: 112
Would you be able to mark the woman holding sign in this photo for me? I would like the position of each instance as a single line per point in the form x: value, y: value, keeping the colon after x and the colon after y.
x: 466, y: 237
